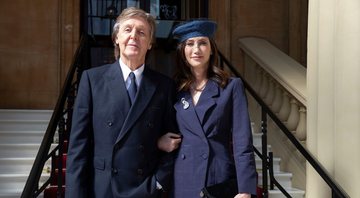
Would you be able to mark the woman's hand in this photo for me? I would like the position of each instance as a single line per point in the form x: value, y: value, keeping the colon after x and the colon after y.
x: 243, y: 195
x: 169, y: 142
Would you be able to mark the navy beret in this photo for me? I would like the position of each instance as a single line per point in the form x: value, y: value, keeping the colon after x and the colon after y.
x: 194, y: 28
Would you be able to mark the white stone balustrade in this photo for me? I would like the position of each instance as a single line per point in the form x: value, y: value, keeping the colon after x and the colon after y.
x: 279, y: 81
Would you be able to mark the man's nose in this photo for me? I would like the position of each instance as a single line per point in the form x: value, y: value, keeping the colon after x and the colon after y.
x: 133, y: 34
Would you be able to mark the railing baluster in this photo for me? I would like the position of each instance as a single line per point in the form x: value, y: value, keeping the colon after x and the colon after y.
x: 301, y: 128
x: 60, y: 157
x: 285, y: 108
x: 271, y: 170
x: 264, y: 153
x: 294, y: 115
x: 264, y: 85
x: 276, y: 105
x: 259, y: 79
x: 269, y: 98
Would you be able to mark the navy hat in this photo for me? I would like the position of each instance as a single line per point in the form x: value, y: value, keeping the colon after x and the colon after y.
x: 194, y: 29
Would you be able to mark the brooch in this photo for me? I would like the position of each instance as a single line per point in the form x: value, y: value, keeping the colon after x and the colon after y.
x: 185, y: 103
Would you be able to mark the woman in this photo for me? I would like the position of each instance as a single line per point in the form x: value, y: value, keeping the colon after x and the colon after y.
x: 211, y: 112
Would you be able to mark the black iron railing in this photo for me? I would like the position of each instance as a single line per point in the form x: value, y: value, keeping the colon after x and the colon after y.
x: 60, y: 122
x: 337, y: 191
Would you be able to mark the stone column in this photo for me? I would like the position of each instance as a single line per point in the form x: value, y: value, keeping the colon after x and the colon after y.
x: 333, y: 102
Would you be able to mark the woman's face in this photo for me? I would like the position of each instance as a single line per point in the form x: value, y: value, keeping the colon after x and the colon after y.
x: 134, y: 39
x: 197, y: 52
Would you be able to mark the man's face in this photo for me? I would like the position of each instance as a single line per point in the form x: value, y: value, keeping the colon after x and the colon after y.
x: 134, y: 39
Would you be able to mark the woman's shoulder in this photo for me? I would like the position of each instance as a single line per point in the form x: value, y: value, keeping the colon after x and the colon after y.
x: 235, y: 81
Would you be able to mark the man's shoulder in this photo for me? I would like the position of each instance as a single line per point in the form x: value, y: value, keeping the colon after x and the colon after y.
x: 99, y: 72
x: 100, y: 69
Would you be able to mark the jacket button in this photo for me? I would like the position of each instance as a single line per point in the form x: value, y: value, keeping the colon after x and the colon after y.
x: 114, y: 171
x: 140, y: 171
x: 204, y: 156
x: 182, y: 156
x: 109, y: 124
x: 150, y: 125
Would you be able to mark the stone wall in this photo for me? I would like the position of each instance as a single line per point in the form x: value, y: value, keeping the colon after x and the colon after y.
x: 37, y: 40
x: 281, y: 22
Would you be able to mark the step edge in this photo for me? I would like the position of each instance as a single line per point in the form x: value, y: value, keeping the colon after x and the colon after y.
x: 281, y: 173
x: 21, y: 175
x: 16, y: 158
x: 21, y: 144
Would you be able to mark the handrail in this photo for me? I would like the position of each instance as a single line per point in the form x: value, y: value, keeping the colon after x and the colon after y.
x: 335, y: 187
x: 31, y: 187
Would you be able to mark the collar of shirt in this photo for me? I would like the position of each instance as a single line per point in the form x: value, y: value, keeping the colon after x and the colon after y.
x: 126, y: 71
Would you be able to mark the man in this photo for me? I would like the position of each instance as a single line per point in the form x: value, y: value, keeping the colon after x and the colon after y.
x: 121, y: 111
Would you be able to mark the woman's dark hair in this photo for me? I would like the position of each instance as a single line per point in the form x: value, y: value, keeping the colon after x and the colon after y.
x: 184, y: 77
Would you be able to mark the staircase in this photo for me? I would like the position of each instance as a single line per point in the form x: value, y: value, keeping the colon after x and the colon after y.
x: 21, y: 132
x: 284, y: 178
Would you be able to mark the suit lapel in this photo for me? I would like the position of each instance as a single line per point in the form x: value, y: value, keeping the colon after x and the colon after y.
x: 188, y: 115
x: 207, y: 100
x: 117, y: 88
x: 145, y: 93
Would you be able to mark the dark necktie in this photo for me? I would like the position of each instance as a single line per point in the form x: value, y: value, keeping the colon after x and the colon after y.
x: 133, y: 88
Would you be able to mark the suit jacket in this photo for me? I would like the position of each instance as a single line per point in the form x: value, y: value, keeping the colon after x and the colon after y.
x: 206, y: 156
x: 113, y: 147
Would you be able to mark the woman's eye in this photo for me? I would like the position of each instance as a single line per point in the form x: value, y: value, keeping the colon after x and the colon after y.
x: 189, y: 44
x: 203, y: 43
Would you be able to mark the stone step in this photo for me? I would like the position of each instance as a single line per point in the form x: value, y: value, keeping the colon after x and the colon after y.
x: 283, y: 178
x: 21, y: 132
x: 259, y: 147
x: 294, y: 193
x: 21, y: 137
x: 276, y: 164
x: 23, y: 125
x: 20, y: 150
x: 25, y: 114
x: 256, y: 139
x: 13, y: 183
x: 19, y: 165
x: 15, y: 194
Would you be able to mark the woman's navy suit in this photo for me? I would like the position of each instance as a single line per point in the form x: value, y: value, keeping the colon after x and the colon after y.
x: 205, y: 155
x: 113, y: 146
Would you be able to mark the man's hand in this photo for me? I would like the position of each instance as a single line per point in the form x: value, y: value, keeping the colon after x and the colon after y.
x: 169, y: 142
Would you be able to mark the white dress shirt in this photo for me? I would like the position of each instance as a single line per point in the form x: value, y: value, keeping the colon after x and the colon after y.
x: 126, y: 71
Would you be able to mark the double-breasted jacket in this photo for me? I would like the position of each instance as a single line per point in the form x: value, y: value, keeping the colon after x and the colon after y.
x: 206, y: 155
x: 113, y: 146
